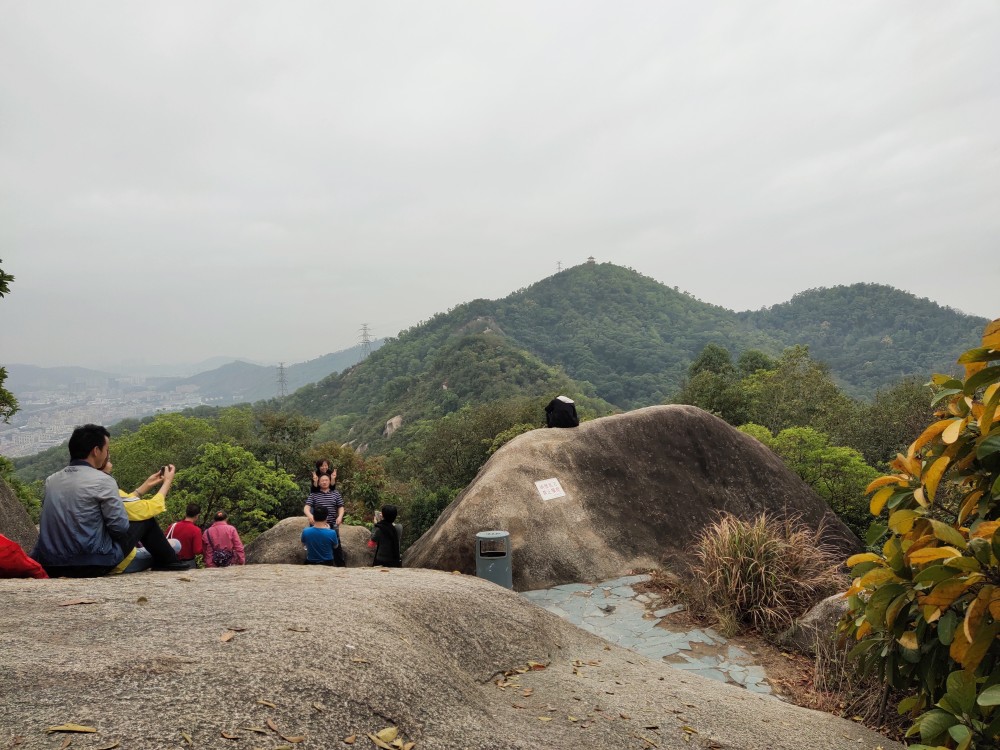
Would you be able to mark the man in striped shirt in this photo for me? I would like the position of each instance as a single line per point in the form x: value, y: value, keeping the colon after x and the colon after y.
x: 329, y: 499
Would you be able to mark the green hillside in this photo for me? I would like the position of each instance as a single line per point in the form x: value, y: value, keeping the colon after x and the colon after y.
x: 871, y: 335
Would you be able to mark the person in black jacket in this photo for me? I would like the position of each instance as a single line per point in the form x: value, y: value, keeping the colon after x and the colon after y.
x: 561, y: 412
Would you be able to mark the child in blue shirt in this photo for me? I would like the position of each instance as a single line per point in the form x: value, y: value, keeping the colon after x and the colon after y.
x: 320, y: 540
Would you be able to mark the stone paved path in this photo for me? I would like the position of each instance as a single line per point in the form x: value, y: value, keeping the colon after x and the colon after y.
x: 615, y: 612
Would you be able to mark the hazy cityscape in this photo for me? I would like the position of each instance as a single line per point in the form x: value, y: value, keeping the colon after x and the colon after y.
x: 47, y: 417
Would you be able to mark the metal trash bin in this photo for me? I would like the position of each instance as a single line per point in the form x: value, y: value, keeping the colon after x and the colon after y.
x: 493, y: 560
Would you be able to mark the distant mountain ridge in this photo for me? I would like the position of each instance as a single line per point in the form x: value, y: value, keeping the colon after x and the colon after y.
x: 624, y: 338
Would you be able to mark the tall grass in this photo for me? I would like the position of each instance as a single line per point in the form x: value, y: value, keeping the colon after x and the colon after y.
x: 760, y: 574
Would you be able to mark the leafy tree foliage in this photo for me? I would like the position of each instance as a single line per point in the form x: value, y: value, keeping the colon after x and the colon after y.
x: 26, y: 494
x: 168, y: 439
x: 893, y: 420
x: 8, y: 404
x: 925, y: 608
x: 282, y: 438
x: 838, y: 475
x: 230, y: 478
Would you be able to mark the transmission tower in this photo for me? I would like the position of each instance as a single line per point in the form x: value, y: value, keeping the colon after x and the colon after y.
x: 365, y: 341
x: 282, y: 381
x: 558, y: 266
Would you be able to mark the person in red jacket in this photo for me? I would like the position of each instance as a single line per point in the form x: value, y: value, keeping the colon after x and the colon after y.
x: 188, y: 534
x: 222, y: 544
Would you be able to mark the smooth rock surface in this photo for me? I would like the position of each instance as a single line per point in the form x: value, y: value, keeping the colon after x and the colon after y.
x: 282, y: 545
x: 639, y: 488
x: 15, y: 523
x: 146, y: 663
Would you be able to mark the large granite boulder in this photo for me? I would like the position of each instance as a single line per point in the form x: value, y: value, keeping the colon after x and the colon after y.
x: 318, y: 655
x: 282, y: 544
x: 639, y: 487
x: 15, y: 523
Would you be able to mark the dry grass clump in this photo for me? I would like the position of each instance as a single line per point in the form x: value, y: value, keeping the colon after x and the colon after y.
x: 760, y: 574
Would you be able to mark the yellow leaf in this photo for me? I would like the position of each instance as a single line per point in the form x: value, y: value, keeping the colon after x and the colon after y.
x: 351, y: 739
x: 901, y: 521
x: 918, y: 495
x: 71, y: 728
x: 932, y: 475
x: 952, y: 431
x: 968, y: 505
x: 879, y: 500
x: 991, y: 335
x: 929, y: 554
x: 227, y: 636
x: 976, y: 613
x: 271, y: 725
x: 409, y: 746
x: 909, y: 640
x: 876, y: 577
x: 929, y: 434
x: 229, y: 736
x: 865, y: 629
x: 294, y: 740
x: 862, y: 557
x: 536, y: 665
x: 388, y: 734
x: 263, y: 702
x: 109, y: 746
x: 882, y: 482
x: 380, y: 743
x: 187, y: 739
x: 545, y: 718
x: 986, y: 529
x: 946, y: 592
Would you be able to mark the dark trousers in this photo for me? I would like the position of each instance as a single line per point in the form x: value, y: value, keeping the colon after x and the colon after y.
x: 153, y: 539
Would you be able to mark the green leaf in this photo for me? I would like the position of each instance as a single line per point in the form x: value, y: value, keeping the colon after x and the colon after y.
x: 989, y: 697
x: 981, y: 550
x: 865, y: 646
x: 934, y: 574
x: 962, y: 690
x: 875, y: 532
x: 946, y: 627
x: 946, y: 393
x: 934, y: 723
x: 959, y: 732
x: 981, y: 354
x: 948, y: 534
x: 981, y: 378
x: 988, y: 447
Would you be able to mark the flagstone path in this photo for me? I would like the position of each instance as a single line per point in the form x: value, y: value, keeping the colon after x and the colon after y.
x: 615, y: 612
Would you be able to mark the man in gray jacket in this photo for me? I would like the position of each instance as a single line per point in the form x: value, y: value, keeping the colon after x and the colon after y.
x: 83, y: 529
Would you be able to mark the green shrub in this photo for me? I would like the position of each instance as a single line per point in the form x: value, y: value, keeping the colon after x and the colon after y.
x: 760, y: 574
x: 925, y: 609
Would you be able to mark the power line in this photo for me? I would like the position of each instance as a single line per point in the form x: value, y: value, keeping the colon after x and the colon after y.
x: 282, y: 380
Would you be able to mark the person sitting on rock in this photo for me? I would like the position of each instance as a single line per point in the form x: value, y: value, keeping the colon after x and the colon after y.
x: 84, y: 529
x: 323, y: 467
x: 320, y: 540
x: 222, y: 545
x: 188, y: 535
x: 387, y: 537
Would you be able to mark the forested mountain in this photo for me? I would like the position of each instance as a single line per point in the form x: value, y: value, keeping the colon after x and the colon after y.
x: 870, y: 335
x: 628, y: 340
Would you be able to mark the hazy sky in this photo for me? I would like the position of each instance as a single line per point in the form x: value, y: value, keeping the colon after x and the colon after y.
x: 186, y: 179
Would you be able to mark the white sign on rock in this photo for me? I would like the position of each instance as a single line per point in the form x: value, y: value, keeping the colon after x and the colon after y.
x: 550, y: 489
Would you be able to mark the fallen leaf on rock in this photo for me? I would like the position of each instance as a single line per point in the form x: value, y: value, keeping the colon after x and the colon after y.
x: 184, y: 578
x: 351, y: 740
x: 359, y: 660
x: 586, y: 724
x: 545, y: 718
x: 625, y: 716
x: 263, y: 702
x: 572, y: 718
x: 652, y: 726
x: 319, y: 707
x: 398, y: 743
x: 229, y: 736
x: 110, y: 746
x: 295, y: 739
x: 527, y: 692
x: 142, y: 600
x: 71, y: 728
x: 258, y: 730
x: 187, y: 738
x: 227, y: 636
x: 66, y: 743
x: 270, y: 723
x: 518, y: 705
x: 235, y: 628
x: 283, y: 747
x: 74, y: 602
x: 409, y: 745
x: 689, y: 730
x: 297, y: 629
x: 380, y: 743
x: 536, y: 665
x: 388, y: 734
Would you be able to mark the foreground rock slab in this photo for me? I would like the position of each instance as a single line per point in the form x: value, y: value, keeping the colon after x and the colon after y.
x: 159, y: 660
x: 639, y: 488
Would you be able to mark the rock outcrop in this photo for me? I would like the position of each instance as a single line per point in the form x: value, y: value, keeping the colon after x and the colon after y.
x: 392, y: 425
x: 161, y: 660
x: 817, y: 628
x: 282, y: 544
x: 15, y: 523
x: 639, y: 487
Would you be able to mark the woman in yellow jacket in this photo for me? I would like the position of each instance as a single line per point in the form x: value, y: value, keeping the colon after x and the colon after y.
x: 157, y: 551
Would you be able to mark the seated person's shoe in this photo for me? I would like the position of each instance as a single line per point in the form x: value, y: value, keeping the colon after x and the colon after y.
x: 174, y: 566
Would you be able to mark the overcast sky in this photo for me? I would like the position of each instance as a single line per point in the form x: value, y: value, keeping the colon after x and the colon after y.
x: 180, y: 180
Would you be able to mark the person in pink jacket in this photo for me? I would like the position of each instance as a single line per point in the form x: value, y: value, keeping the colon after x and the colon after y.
x: 222, y: 546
